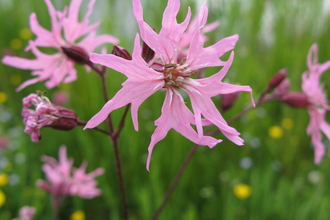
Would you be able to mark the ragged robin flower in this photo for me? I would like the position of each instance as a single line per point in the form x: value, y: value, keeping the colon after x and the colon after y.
x: 74, y: 45
x: 64, y: 180
x: 318, y: 106
x: 26, y: 213
x: 168, y: 72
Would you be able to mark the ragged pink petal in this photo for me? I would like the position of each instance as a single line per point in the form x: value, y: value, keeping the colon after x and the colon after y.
x: 176, y: 115
x: 64, y: 180
x: 59, y: 67
x: 317, y: 101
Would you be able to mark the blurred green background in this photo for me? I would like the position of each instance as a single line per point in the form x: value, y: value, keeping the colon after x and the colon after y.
x: 273, y: 173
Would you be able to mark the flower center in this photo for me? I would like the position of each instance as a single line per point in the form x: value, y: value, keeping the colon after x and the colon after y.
x: 175, y: 74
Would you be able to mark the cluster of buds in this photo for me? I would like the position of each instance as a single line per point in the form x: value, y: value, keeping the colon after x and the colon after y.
x: 46, y: 114
x: 280, y: 86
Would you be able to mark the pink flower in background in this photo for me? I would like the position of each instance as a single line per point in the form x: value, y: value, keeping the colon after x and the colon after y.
x: 64, y: 180
x: 59, y: 67
x: 167, y: 72
x: 26, y: 213
x: 318, y: 102
x: 192, y: 28
x: 61, y: 98
x: 4, y: 142
x: 45, y: 114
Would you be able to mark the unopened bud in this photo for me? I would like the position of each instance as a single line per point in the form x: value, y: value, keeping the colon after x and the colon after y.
x: 77, y: 54
x: 296, y: 99
x: 46, y: 114
x: 282, y: 89
x: 276, y: 80
x: 121, y: 52
x: 228, y: 100
x: 66, y: 119
x: 147, y: 53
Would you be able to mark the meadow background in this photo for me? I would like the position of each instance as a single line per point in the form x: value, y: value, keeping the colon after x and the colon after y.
x: 276, y: 162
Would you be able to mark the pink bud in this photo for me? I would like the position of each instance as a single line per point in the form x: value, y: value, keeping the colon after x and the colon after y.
x: 147, y: 53
x: 121, y: 52
x: 228, y: 100
x: 277, y: 79
x: 282, y: 88
x: 296, y: 99
x: 67, y: 119
x: 77, y: 54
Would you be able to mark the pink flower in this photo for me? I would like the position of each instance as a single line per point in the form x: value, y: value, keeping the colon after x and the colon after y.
x: 168, y: 73
x: 189, y: 33
x: 59, y: 67
x: 61, y: 97
x: 4, y: 141
x: 45, y: 114
x: 318, y: 102
x: 63, y: 180
x: 26, y: 213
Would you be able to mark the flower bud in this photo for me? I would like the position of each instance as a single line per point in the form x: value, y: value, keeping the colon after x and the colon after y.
x: 77, y: 54
x: 282, y: 89
x: 121, y: 52
x: 67, y: 119
x: 147, y: 53
x: 45, y: 114
x: 228, y: 100
x: 296, y: 99
x: 276, y: 80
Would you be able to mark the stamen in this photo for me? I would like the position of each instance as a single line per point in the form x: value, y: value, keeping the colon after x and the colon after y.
x: 183, y: 61
x: 170, y: 65
x: 179, y: 79
x: 193, y: 72
x: 183, y: 68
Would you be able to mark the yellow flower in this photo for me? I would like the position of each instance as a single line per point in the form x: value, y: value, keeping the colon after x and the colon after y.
x: 242, y: 191
x: 15, y: 79
x: 275, y: 132
x: 2, y: 198
x: 3, y: 97
x: 78, y: 215
x: 25, y: 34
x: 15, y: 44
x: 3, y: 179
x: 287, y: 123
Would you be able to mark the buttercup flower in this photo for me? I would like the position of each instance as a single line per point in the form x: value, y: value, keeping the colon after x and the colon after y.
x: 59, y: 67
x: 45, y: 114
x: 170, y: 73
x: 63, y: 180
x: 317, y: 101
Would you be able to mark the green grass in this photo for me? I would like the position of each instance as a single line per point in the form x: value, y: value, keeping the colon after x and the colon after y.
x: 281, y: 171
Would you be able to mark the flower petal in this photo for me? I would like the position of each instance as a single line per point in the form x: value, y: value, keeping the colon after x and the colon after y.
x: 170, y: 27
x: 134, y: 69
x: 199, y: 57
x: 176, y: 115
x: 134, y: 92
